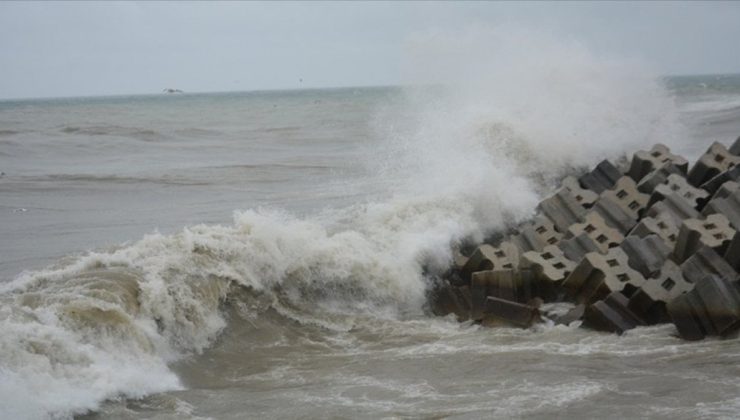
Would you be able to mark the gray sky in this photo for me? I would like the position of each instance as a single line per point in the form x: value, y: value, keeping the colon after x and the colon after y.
x: 50, y: 49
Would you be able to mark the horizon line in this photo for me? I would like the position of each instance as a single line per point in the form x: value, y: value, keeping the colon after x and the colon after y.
x: 280, y: 89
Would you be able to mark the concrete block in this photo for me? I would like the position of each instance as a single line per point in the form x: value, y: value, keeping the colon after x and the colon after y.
x: 732, y: 255
x: 536, y: 235
x: 598, y: 275
x: 662, y: 225
x: 728, y: 206
x: 735, y: 148
x: 577, y: 247
x: 611, y: 314
x: 562, y: 209
x: 684, y: 312
x: 676, y: 206
x: 517, y: 286
x: 646, y: 254
x: 488, y: 257
x: 704, y: 262
x: 614, y: 215
x: 646, y: 161
x: 602, y: 178
x: 584, y: 197
x: 727, y: 189
x: 649, y: 301
x: 711, y: 308
x: 549, y: 267
x: 714, y: 161
x: 625, y: 195
x: 659, y: 176
x: 732, y: 174
x: 714, y: 232
x: 514, y: 313
x: 449, y: 299
x: 676, y: 184
x: 596, y: 228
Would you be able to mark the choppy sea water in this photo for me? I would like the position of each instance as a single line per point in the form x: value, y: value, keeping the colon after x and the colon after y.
x: 267, y: 254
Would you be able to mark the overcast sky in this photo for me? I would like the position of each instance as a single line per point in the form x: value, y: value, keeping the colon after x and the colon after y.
x: 50, y: 49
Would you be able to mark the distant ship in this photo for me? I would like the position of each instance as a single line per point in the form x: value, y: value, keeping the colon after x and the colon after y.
x: 170, y: 90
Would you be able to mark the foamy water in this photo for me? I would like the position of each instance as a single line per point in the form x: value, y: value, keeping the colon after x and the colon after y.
x: 300, y: 232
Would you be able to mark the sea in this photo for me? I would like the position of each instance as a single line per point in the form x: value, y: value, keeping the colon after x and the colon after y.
x: 269, y: 254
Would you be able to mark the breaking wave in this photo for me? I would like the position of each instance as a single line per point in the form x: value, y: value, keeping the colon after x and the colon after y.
x: 509, y: 111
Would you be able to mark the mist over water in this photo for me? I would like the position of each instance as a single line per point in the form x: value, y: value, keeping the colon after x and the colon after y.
x: 345, y: 203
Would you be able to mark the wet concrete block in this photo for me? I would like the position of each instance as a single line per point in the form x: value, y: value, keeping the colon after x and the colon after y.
x: 514, y: 313
x: 714, y: 161
x: 714, y: 232
x: 625, y: 194
x: 732, y: 174
x: 721, y: 300
x: 614, y: 215
x: 646, y: 161
x: 659, y: 176
x: 728, y: 206
x: 601, y: 178
x: 596, y: 228
x: 686, y: 313
x: 675, y: 206
x: 727, y: 189
x: 711, y: 308
x: 662, y: 225
x: 646, y: 255
x: 536, y: 235
x: 611, y: 314
x: 449, y: 299
x: 649, y: 301
x: 598, y: 275
x: 488, y: 257
x: 584, y: 197
x: 577, y: 247
x: 704, y: 262
x: 732, y: 255
x: 575, y: 314
x: 562, y: 209
x: 551, y: 265
x: 517, y: 286
x: 676, y: 184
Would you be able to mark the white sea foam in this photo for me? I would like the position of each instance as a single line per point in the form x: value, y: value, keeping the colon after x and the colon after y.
x: 515, y: 107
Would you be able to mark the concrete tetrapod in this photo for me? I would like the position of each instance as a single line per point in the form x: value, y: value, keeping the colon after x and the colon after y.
x: 501, y: 310
x: 488, y: 257
x: 536, y: 235
x: 715, y: 160
x: 611, y: 314
x: 514, y: 285
x: 602, y: 177
x: 705, y: 262
x: 596, y: 228
x: 598, y: 275
x: 713, y: 232
x: 711, y: 308
x: 676, y: 184
x: 562, y: 209
x: 659, y: 176
x: 728, y: 206
x: 649, y: 301
x: 645, y: 161
x: 626, y: 196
